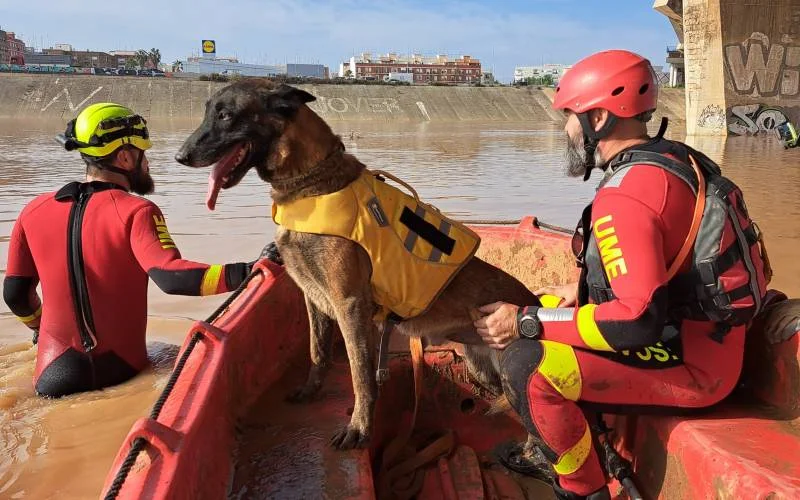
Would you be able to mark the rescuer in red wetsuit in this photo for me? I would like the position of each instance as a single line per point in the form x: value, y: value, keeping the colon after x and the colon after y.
x: 615, y: 342
x: 93, y: 246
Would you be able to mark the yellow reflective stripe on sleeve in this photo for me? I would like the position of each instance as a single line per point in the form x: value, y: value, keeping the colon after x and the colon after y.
x: 572, y: 459
x: 560, y: 367
x: 32, y: 317
x: 211, y: 280
x: 588, y: 330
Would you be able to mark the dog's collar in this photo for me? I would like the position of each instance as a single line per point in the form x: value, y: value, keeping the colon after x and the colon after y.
x: 309, y: 177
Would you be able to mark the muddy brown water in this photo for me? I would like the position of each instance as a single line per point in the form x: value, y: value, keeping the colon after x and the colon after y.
x: 64, y: 448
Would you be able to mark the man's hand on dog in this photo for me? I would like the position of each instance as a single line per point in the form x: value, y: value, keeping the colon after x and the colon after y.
x: 498, y: 326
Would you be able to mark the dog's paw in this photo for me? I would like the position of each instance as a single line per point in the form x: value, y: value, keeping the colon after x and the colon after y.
x: 271, y: 252
x: 303, y: 394
x: 349, y: 438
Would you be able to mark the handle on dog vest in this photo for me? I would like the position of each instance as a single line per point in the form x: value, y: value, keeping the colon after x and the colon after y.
x: 392, y: 177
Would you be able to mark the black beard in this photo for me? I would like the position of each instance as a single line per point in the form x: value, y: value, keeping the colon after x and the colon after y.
x: 575, y: 157
x: 141, y: 182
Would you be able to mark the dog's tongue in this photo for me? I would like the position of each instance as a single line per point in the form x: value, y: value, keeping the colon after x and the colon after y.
x: 214, y: 185
x: 215, y: 178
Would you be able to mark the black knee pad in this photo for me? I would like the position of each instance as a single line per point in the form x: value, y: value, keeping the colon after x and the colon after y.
x: 518, y: 362
x: 75, y: 371
x: 67, y: 374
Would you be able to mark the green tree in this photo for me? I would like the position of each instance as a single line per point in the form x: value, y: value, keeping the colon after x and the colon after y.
x: 177, y: 66
x: 155, y: 57
x: 544, y: 80
x: 140, y: 58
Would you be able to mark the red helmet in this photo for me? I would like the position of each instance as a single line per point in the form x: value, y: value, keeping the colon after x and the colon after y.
x: 617, y: 80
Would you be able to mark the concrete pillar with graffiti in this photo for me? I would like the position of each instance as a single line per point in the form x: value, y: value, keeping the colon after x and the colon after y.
x: 702, y: 48
x: 762, y: 64
x: 742, y: 64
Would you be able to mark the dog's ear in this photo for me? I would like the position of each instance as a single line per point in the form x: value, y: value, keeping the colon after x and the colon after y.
x: 294, y: 94
x: 288, y: 99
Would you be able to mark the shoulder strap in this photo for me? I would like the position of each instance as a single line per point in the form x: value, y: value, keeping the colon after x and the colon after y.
x: 692, y: 175
x: 637, y: 157
x: 699, y: 208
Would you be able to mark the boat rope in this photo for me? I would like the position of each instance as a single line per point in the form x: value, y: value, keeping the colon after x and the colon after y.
x: 513, y: 222
x: 139, y: 443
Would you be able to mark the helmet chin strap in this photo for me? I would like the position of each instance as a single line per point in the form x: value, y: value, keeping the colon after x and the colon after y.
x: 592, y: 137
x: 128, y: 174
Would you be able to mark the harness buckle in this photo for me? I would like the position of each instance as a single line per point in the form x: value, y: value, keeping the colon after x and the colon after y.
x: 382, y: 376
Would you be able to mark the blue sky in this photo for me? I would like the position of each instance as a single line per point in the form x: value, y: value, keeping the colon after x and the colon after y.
x: 503, y: 34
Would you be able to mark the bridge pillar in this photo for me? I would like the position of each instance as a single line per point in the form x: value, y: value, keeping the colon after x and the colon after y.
x: 742, y: 63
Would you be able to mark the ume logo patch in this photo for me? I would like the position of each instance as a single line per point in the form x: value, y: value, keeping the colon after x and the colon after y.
x: 608, y: 243
x: 163, y: 233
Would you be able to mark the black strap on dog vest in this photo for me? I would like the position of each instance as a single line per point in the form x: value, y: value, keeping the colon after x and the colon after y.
x: 427, y: 231
x: 382, y: 372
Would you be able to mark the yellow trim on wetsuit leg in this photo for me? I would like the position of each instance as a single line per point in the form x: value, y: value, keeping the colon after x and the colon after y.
x: 32, y: 317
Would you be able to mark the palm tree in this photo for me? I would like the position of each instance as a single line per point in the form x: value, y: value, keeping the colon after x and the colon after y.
x: 155, y: 57
x: 141, y: 58
x: 177, y: 66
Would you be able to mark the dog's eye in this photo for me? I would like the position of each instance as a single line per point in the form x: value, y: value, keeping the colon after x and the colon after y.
x: 224, y: 115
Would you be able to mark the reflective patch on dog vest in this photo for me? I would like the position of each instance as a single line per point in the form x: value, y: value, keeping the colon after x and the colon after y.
x: 418, y: 226
x: 436, y: 254
x: 411, y: 237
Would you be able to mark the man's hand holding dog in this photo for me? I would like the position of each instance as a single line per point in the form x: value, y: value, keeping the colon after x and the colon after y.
x: 498, y: 326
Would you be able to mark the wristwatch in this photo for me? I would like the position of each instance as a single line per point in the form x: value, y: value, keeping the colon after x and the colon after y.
x: 528, y: 322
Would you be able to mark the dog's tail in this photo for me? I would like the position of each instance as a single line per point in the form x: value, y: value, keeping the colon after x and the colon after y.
x: 499, y: 405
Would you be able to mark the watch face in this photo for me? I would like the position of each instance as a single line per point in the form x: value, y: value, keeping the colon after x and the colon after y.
x: 528, y: 327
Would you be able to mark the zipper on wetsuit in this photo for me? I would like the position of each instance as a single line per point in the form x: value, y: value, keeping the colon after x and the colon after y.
x: 80, y: 291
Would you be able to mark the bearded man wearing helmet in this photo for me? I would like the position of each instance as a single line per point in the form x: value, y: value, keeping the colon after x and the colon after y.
x: 93, y: 246
x: 632, y: 335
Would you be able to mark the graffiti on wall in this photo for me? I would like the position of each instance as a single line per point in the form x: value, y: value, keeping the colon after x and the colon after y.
x: 759, y: 68
x: 38, y: 96
x: 712, y: 117
x: 324, y: 105
x: 752, y: 119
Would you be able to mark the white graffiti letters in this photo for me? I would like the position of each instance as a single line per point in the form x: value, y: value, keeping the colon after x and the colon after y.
x: 359, y: 105
x: 72, y: 107
x: 758, y: 68
x: 754, y: 118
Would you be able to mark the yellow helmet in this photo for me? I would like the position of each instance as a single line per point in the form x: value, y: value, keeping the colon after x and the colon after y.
x: 102, y: 128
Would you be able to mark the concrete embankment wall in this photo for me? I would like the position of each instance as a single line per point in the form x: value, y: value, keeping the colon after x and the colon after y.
x: 61, y: 97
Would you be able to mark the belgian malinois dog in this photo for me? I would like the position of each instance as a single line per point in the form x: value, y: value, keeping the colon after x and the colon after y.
x: 251, y: 123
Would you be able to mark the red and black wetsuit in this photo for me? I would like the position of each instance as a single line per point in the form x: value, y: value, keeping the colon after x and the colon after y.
x: 623, y: 349
x: 93, y: 246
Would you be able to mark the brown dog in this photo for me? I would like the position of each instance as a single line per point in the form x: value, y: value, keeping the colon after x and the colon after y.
x: 250, y: 124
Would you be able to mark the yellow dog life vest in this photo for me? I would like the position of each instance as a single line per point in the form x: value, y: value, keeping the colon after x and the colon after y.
x: 415, y: 251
